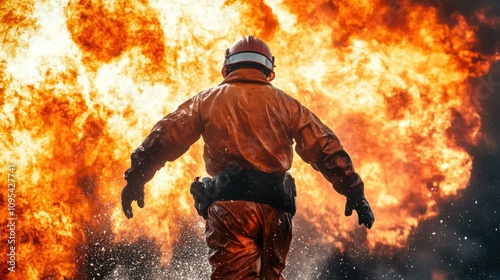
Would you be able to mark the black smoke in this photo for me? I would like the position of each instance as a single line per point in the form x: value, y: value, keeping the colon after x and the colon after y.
x: 483, y: 15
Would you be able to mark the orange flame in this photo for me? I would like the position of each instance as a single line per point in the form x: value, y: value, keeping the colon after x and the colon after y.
x: 82, y: 83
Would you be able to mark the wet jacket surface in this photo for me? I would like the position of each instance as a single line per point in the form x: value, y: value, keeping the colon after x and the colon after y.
x: 246, y: 121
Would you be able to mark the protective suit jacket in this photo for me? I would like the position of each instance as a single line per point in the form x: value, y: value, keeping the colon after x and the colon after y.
x: 246, y: 121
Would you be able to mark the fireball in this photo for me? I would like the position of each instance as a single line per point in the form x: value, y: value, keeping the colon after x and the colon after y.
x: 83, y: 82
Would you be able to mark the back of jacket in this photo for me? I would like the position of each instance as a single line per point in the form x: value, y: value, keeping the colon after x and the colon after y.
x: 247, y: 121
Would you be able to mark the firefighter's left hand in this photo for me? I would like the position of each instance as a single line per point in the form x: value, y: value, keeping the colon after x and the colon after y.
x: 130, y: 193
x: 361, y: 205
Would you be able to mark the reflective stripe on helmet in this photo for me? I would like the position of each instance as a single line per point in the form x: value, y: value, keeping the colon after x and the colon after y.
x: 250, y: 56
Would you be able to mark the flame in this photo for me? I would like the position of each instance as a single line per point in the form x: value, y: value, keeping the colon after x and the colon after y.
x: 82, y: 82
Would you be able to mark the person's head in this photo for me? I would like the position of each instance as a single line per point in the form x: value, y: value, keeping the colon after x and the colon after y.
x: 249, y: 52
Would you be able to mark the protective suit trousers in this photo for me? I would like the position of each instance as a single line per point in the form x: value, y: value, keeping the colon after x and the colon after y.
x: 247, y: 240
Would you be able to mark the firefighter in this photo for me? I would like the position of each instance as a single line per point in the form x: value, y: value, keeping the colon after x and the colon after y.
x: 249, y: 128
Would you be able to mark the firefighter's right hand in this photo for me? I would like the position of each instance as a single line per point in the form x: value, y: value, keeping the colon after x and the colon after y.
x: 130, y: 193
x: 361, y: 205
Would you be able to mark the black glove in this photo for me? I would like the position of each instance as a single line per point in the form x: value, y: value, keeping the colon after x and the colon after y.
x: 130, y: 193
x: 361, y: 205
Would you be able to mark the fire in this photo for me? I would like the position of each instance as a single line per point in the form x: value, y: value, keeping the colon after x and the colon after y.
x: 82, y: 82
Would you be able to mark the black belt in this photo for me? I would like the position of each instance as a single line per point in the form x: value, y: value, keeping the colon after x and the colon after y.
x: 248, y: 185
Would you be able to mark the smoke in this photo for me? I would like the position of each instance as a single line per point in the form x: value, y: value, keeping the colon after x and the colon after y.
x: 483, y: 14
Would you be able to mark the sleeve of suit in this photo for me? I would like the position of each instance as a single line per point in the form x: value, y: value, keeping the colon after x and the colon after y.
x: 320, y: 147
x: 169, y: 139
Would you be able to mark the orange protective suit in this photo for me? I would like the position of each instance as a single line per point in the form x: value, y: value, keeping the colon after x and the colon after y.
x: 248, y: 122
